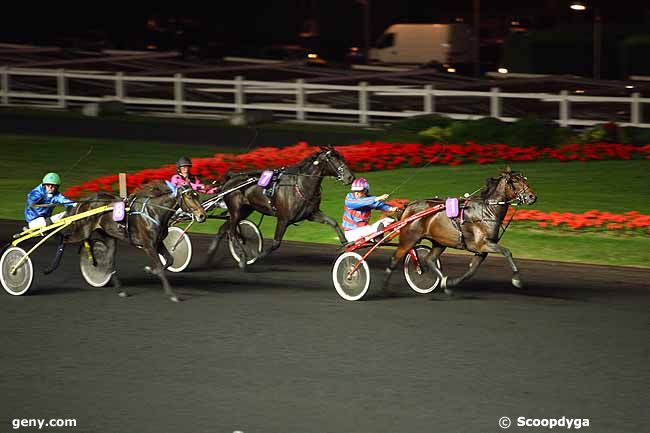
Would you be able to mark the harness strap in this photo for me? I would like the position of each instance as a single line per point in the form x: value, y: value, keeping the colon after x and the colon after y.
x: 145, y: 212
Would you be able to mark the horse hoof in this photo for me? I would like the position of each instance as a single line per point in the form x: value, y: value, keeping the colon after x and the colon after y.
x: 516, y: 281
x: 449, y: 292
x: 148, y: 270
x: 175, y: 299
x: 123, y: 295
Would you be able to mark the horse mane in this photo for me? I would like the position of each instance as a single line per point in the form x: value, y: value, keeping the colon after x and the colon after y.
x: 155, y: 188
x: 303, y: 165
x: 492, y: 182
x: 490, y: 186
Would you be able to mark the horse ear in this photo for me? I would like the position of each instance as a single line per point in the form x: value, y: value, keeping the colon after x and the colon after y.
x: 508, y: 169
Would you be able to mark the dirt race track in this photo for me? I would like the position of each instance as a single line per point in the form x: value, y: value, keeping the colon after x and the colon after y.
x: 276, y: 349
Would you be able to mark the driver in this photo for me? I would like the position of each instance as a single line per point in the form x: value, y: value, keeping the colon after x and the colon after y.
x: 184, y: 176
x: 47, y: 193
x: 358, y: 207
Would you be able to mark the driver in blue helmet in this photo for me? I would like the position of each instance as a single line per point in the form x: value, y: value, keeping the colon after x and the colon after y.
x: 46, y: 196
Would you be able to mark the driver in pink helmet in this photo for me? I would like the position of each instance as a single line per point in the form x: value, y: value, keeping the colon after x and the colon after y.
x: 358, y: 207
x: 184, y: 176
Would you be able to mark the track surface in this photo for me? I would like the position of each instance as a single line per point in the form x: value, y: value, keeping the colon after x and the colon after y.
x: 276, y: 349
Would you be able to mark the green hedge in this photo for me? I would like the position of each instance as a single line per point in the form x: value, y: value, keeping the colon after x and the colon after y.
x: 527, y: 131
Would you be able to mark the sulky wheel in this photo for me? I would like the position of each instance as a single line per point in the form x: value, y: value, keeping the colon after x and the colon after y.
x: 17, y: 271
x: 418, y: 275
x: 251, y: 239
x: 351, y: 286
x: 99, y: 273
x: 179, y: 246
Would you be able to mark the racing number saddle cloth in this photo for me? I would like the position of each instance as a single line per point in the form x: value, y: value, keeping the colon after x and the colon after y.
x: 269, y: 182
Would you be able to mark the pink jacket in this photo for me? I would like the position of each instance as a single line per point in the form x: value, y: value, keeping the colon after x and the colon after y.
x: 178, y: 180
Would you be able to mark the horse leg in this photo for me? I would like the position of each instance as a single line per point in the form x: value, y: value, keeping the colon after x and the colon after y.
x: 493, y: 247
x: 447, y: 284
x: 280, y: 229
x: 57, y: 258
x: 167, y: 256
x: 431, y: 258
x: 214, y: 245
x: 157, y: 269
x: 396, y: 258
x: 320, y: 217
x: 233, y: 232
x: 111, y: 244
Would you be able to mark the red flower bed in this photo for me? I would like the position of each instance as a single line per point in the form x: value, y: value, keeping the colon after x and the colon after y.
x: 593, y: 220
x: 368, y: 156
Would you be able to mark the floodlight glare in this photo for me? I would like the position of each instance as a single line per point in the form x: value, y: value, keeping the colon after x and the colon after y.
x: 578, y: 6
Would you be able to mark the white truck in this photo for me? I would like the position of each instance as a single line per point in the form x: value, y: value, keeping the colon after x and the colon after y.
x: 446, y: 44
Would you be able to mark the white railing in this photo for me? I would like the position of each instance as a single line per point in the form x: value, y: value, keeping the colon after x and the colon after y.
x: 299, y: 107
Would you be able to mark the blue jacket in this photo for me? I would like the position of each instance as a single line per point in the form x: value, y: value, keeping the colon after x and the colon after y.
x: 357, y: 210
x: 40, y: 196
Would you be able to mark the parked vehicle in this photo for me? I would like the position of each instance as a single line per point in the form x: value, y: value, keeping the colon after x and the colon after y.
x: 444, y: 44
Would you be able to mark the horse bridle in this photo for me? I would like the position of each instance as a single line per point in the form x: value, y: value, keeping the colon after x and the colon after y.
x: 337, y: 169
x: 183, y: 207
x: 520, y: 196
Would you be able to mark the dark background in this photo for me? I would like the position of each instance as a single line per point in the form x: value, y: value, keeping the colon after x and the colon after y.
x: 225, y: 27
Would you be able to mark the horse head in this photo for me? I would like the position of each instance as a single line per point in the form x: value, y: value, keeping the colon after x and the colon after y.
x: 334, y: 164
x: 516, y: 188
x: 190, y: 203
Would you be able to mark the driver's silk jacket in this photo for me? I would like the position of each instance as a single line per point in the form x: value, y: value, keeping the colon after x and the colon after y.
x: 40, y: 196
x: 356, y: 212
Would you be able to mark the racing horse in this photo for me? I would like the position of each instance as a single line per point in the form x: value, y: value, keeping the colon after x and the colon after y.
x: 476, y: 229
x: 145, y: 226
x: 297, y: 198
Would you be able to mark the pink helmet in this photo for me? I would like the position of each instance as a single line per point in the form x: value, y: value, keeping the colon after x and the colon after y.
x: 360, y: 184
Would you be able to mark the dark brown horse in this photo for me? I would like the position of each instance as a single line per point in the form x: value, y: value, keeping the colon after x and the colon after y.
x: 297, y: 198
x: 145, y: 225
x: 476, y: 229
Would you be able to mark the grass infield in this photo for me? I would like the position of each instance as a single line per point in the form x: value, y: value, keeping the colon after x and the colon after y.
x: 614, y: 186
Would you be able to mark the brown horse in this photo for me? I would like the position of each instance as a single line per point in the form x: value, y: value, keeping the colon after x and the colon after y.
x: 476, y: 229
x: 145, y: 225
x: 297, y: 198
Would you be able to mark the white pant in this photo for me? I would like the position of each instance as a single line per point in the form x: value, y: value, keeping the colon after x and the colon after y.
x: 353, y: 235
x: 40, y: 221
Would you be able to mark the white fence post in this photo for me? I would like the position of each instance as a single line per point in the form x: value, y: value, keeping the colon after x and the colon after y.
x: 495, y: 103
x: 4, y: 85
x: 119, y: 85
x: 635, y: 109
x: 429, y: 102
x: 122, y: 182
x: 61, y: 87
x: 363, y: 103
x: 300, y: 99
x: 178, y: 93
x: 564, y: 108
x: 239, y: 94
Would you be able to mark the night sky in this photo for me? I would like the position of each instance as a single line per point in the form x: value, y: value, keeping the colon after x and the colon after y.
x: 254, y: 23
